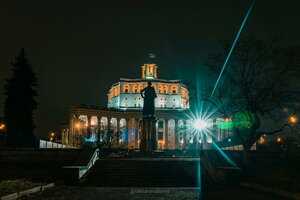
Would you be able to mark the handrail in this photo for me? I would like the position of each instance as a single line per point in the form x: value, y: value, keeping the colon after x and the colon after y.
x: 84, y: 169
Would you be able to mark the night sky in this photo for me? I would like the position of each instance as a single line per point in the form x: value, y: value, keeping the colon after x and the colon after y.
x: 78, y: 49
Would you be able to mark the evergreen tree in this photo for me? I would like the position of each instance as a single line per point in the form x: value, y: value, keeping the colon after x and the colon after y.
x: 20, y: 103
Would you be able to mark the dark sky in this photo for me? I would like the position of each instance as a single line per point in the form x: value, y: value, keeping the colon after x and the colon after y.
x: 79, y: 48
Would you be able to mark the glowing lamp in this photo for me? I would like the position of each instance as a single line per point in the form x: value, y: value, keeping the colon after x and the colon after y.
x: 293, y: 120
x: 200, y: 124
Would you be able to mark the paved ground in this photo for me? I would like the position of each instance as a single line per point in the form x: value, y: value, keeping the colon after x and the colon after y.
x: 217, y: 192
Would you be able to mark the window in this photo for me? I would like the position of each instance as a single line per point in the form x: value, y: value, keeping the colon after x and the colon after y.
x: 160, y: 89
x: 140, y: 87
x: 166, y: 89
x: 135, y: 88
x: 126, y: 88
x: 174, y: 89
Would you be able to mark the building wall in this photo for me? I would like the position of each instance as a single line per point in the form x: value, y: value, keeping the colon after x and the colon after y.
x: 127, y: 95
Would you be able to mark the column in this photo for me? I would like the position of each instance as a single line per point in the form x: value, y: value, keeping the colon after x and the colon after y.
x: 99, y: 124
x: 136, y: 135
x: 176, y: 134
x: 118, y: 131
x: 166, y: 134
x: 127, y: 133
x: 76, y: 131
x: 108, y: 123
x: 71, y: 129
x: 89, y: 119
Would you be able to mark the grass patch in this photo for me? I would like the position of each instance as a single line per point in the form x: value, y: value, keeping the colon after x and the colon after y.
x: 11, y: 186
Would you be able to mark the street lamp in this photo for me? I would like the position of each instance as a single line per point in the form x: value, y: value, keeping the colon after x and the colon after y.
x: 278, y: 139
x: 52, y: 136
x: 2, y: 126
x: 293, y: 119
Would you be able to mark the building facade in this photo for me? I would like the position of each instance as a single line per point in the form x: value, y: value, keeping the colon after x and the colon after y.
x: 120, y: 122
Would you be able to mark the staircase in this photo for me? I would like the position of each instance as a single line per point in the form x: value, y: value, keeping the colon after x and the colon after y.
x: 143, y: 172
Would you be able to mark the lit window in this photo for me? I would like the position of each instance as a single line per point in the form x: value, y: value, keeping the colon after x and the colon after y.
x: 126, y: 88
x: 140, y: 87
x: 166, y: 89
x: 160, y: 89
x: 135, y: 88
x: 174, y: 89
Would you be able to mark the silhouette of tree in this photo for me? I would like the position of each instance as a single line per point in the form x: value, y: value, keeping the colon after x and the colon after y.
x: 20, y: 103
x: 260, y: 82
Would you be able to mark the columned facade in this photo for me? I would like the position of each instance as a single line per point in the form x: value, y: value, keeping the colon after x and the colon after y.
x: 92, y: 124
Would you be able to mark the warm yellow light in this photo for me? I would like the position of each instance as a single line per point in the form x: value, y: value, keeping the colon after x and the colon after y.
x: 51, y: 139
x: 227, y: 119
x: 279, y: 139
x: 77, y: 125
x: 293, y: 119
x: 261, y: 140
x: 52, y: 134
x: 2, y: 126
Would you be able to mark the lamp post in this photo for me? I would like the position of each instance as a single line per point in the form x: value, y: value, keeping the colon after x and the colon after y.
x: 52, y: 137
x: 293, y: 120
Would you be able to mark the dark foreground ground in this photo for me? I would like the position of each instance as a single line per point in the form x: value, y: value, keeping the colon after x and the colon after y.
x: 212, y: 192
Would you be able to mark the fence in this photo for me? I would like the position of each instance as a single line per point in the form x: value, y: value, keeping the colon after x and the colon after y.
x: 52, y: 145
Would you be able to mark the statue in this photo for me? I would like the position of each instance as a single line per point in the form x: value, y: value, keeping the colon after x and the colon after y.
x: 148, y: 94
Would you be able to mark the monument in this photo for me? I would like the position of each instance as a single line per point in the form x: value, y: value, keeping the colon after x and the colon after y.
x: 148, y: 137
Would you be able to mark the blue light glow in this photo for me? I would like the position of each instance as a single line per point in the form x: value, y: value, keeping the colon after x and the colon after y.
x: 91, y: 139
x: 224, y: 155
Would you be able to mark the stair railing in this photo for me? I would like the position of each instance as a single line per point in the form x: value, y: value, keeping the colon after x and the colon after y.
x: 94, y: 158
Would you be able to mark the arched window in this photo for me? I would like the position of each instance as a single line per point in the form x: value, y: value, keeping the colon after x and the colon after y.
x: 174, y: 89
x: 166, y: 89
x: 135, y: 88
x: 160, y: 89
x: 140, y: 87
x: 115, y: 91
x: 126, y: 88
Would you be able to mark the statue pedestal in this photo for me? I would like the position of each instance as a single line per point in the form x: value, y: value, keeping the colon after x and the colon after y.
x: 148, y: 136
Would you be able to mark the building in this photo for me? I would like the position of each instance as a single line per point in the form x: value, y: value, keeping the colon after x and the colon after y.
x: 120, y: 122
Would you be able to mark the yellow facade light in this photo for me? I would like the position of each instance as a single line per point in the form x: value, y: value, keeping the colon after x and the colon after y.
x: 77, y: 125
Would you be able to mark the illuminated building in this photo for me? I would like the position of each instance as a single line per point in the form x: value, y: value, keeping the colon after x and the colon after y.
x: 123, y: 115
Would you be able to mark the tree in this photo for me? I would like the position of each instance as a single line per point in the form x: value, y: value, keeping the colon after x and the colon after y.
x: 259, y: 83
x: 20, y: 103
